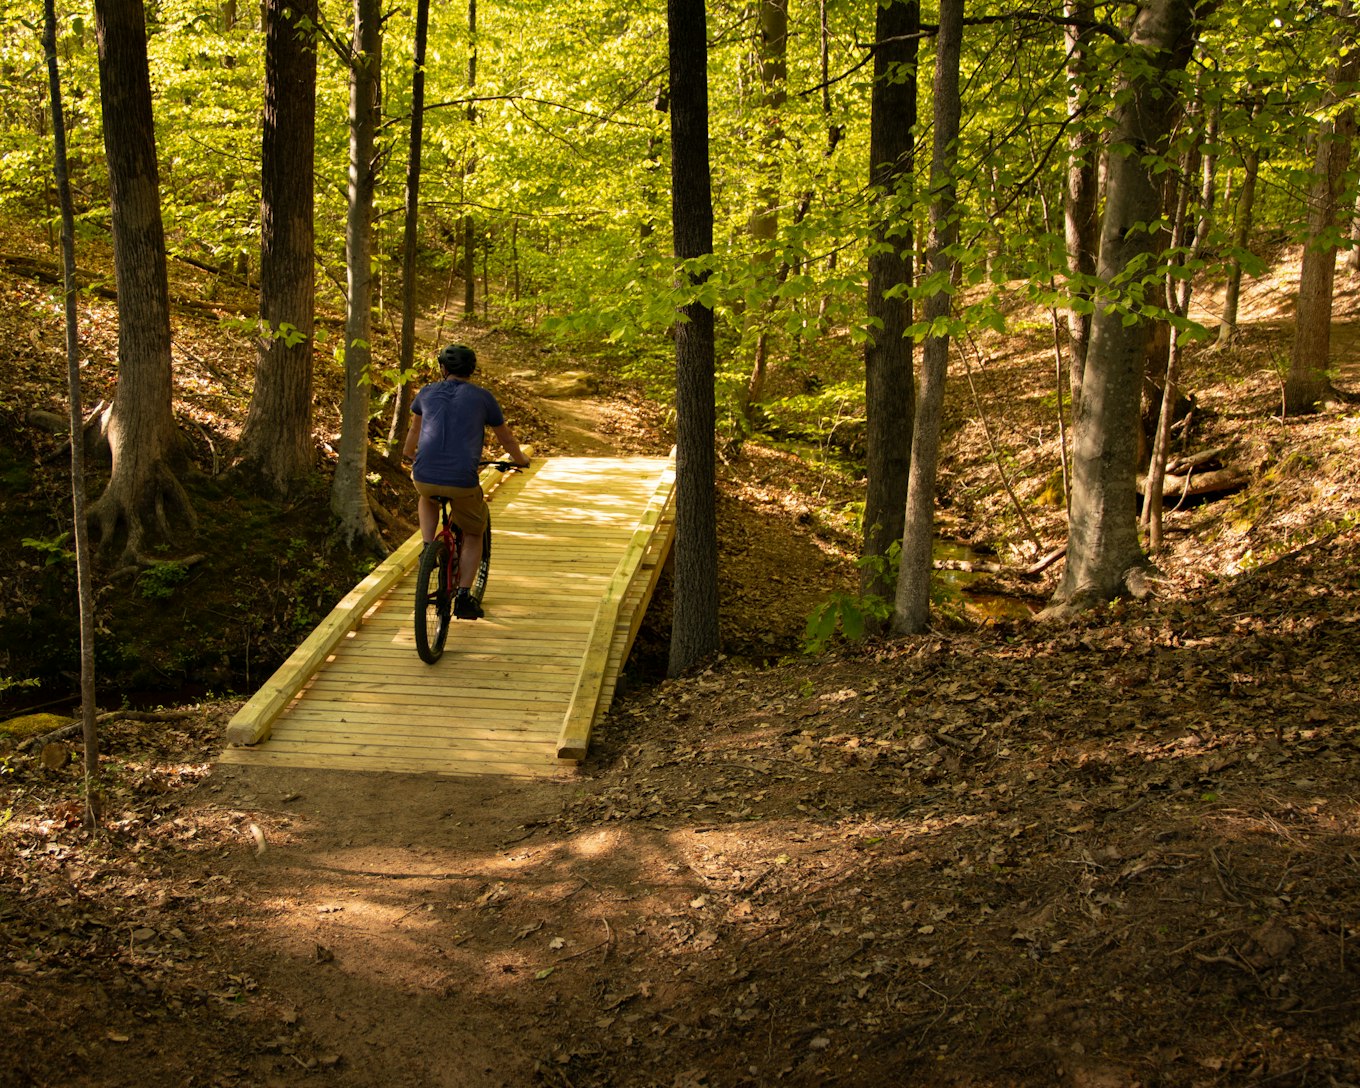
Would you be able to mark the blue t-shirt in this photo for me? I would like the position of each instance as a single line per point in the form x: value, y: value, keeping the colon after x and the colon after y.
x: 454, y: 416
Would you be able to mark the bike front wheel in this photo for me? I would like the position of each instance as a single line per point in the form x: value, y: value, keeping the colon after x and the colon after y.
x: 434, y: 602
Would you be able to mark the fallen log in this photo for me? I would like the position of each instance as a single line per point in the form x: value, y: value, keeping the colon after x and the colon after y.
x: 1205, y: 483
x: 1179, y: 466
x: 73, y: 728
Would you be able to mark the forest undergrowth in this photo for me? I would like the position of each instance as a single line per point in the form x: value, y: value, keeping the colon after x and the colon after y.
x: 1113, y: 852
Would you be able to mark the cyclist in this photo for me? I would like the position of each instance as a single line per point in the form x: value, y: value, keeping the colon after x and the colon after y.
x: 448, y: 429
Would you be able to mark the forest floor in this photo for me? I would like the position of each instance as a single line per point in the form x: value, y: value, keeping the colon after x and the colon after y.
x: 1115, y: 852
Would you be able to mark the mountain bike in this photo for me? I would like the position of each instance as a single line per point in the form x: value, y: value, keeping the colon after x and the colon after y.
x: 437, y: 579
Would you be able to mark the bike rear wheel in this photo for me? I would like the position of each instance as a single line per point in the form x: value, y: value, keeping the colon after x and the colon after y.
x: 434, y: 602
x: 478, y: 589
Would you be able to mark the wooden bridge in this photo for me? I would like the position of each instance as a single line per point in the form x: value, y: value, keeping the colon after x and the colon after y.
x: 577, y: 546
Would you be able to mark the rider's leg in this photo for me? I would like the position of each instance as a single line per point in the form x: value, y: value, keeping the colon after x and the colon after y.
x: 427, y: 512
x: 469, y: 559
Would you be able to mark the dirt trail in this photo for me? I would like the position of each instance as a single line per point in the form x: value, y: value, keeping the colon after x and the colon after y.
x: 379, y: 910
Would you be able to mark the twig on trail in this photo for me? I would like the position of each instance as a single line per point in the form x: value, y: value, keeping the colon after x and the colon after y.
x: 1207, y: 937
x: 585, y: 951
x: 401, y: 918
x: 945, y: 738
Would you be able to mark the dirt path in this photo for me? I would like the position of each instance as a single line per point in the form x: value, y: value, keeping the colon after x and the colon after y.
x: 382, y: 911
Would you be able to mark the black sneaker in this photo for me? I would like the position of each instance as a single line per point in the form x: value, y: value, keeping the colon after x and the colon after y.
x: 465, y: 606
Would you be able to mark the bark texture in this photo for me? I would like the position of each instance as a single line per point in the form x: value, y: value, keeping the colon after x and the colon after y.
x: 277, y: 451
x: 1080, y: 221
x: 911, y: 613
x: 694, y: 627
x: 1308, y: 384
x: 84, y: 566
x: 349, y: 490
x: 888, y: 392
x: 144, y: 501
x: 1103, y: 548
x: 401, y: 415
x: 772, y: 49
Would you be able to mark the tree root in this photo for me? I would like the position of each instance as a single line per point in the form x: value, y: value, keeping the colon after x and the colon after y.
x: 147, y: 514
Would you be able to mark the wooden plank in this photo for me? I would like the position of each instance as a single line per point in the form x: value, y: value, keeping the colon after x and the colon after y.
x: 548, y: 767
x: 489, y: 717
x: 460, y: 694
x: 415, y: 732
x: 518, y: 746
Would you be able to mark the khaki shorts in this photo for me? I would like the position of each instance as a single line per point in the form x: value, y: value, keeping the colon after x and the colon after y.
x: 467, y: 505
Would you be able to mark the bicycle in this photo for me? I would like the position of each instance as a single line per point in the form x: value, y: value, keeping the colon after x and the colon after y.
x: 437, y: 578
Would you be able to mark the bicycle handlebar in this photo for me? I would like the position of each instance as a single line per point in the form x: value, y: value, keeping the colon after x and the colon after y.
x: 501, y: 466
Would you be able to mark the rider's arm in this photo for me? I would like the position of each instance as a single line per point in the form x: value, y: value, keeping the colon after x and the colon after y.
x: 412, y: 437
x: 510, y: 445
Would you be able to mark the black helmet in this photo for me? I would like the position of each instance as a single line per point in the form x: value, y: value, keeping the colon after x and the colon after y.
x: 458, y: 361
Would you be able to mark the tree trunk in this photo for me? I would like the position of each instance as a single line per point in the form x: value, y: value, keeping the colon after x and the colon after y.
x: 1246, y: 201
x: 1080, y: 191
x: 1103, y: 547
x: 888, y: 392
x: 1178, y: 292
x: 694, y: 627
x: 276, y: 442
x: 469, y: 225
x: 84, y: 583
x: 349, y: 490
x: 401, y: 415
x: 144, y: 496
x: 1307, y: 383
x: 911, y: 614
x: 764, y: 224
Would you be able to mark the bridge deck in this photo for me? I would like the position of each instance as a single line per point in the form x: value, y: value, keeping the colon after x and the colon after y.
x: 577, y: 544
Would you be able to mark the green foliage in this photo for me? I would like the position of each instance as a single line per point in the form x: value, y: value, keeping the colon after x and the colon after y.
x: 8, y: 683
x: 53, y: 550
x: 845, y: 613
x: 852, y: 615
x: 160, y: 580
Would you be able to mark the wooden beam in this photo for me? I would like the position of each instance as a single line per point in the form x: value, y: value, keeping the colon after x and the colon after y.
x: 576, y: 723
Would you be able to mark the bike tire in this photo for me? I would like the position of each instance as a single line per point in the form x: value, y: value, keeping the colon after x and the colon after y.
x: 478, y: 588
x: 434, y: 603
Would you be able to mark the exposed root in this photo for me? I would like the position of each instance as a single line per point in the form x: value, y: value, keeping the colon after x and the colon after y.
x: 143, y: 513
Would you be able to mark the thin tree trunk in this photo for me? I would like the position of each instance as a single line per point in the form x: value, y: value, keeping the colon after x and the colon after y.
x: 694, y: 627
x: 84, y: 582
x: 1246, y: 202
x: 1178, y: 301
x: 469, y: 225
x: 764, y: 223
x: 1308, y: 383
x: 349, y: 490
x: 1081, y: 189
x: 277, y: 449
x: 401, y: 414
x: 888, y: 392
x: 911, y: 614
x: 1103, y: 547
x: 1353, y: 257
